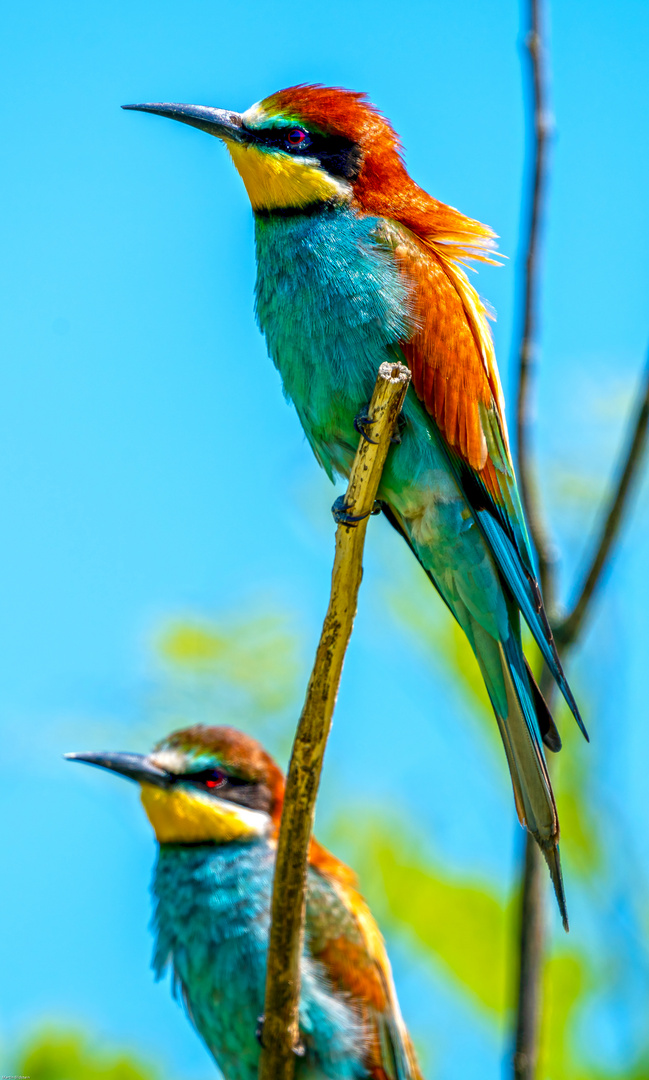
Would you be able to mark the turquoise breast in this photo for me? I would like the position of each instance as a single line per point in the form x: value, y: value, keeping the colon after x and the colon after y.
x: 211, y: 921
x: 332, y: 306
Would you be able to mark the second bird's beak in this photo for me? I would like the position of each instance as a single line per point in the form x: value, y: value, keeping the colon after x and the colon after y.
x: 134, y: 766
x: 219, y: 122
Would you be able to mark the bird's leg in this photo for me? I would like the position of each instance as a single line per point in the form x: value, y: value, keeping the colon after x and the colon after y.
x: 362, y: 422
x: 299, y: 1049
x: 401, y: 427
x: 342, y: 516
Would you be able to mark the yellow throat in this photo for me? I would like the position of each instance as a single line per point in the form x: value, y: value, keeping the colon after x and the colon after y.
x: 275, y: 180
x: 179, y: 816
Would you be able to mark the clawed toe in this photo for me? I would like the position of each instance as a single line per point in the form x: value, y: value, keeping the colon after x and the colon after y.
x: 342, y: 516
x: 361, y: 424
x: 259, y: 1030
x: 299, y: 1049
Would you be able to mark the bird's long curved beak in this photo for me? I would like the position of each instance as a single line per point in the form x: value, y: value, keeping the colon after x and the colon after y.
x: 219, y: 122
x: 134, y: 766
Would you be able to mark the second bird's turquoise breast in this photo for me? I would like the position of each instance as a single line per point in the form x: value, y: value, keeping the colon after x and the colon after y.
x: 331, y: 304
x: 211, y: 926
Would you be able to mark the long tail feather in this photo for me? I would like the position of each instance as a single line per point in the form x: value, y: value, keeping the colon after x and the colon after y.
x: 524, y: 719
x: 530, y: 772
x: 553, y: 860
x: 547, y: 726
x: 518, y: 722
x: 527, y: 596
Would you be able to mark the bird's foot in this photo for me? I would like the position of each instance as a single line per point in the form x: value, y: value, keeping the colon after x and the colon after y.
x: 259, y: 1030
x: 299, y: 1049
x: 342, y: 516
x: 400, y: 428
x: 361, y: 424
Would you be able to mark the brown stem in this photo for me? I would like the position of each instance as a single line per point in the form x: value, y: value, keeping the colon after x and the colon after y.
x: 532, y: 927
x: 528, y: 1003
x: 528, y: 1008
x: 540, y: 128
x: 280, y: 1034
x: 569, y: 628
x: 567, y: 633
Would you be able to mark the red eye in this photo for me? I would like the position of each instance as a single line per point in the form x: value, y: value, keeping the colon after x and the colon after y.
x: 215, y: 779
x: 208, y: 778
x: 297, y: 138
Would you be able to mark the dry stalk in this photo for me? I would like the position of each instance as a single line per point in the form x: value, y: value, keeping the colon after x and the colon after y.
x: 280, y: 1033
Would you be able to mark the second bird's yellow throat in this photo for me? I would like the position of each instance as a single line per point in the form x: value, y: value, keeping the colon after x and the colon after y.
x: 179, y: 816
x: 275, y: 180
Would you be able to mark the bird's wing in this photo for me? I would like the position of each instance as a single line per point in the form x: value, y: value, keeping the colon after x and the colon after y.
x: 451, y: 356
x: 345, y: 939
x: 454, y: 372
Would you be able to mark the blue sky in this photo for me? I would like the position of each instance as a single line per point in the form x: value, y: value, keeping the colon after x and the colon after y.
x: 151, y: 467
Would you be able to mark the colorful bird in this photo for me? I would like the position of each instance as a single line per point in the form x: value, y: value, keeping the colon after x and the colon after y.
x: 357, y: 264
x: 214, y: 798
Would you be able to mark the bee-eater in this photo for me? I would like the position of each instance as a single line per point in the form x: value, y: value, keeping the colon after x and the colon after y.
x: 214, y: 798
x: 357, y: 264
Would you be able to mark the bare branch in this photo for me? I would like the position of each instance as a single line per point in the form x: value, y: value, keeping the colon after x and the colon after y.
x: 530, y: 960
x: 539, y: 126
x: 569, y: 628
x: 532, y: 891
x: 281, y: 1022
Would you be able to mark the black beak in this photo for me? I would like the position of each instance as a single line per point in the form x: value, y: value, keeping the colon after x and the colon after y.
x: 134, y: 766
x: 219, y: 122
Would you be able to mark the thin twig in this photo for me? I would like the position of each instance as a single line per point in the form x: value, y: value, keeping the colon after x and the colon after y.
x: 540, y: 129
x: 532, y: 923
x: 280, y: 1032
x: 531, y: 935
x: 567, y: 631
x: 569, y: 628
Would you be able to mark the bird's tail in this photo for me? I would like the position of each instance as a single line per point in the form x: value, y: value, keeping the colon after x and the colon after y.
x: 515, y: 700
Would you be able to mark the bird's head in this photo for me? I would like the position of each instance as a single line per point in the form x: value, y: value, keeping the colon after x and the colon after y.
x: 301, y: 147
x: 203, y: 785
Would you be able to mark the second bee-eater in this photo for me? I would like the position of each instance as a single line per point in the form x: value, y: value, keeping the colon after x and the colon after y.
x: 214, y: 798
x: 356, y: 264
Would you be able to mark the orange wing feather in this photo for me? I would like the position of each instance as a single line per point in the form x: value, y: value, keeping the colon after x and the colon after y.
x: 357, y: 964
x: 451, y: 357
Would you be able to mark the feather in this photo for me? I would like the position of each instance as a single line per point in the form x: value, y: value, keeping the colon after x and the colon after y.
x: 345, y: 939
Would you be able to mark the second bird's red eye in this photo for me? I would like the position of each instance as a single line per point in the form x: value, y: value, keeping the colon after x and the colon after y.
x: 297, y: 138
x: 214, y: 779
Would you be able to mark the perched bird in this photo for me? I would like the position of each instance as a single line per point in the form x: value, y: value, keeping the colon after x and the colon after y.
x: 357, y: 264
x: 214, y: 798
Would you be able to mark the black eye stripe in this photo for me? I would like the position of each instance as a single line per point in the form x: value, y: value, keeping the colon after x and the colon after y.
x: 251, y: 793
x: 212, y: 779
x: 339, y: 156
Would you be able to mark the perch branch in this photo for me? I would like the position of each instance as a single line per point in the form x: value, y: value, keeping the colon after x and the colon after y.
x: 567, y: 631
x: 531, y: 934
x: 539, y: 125
x: 280, y: 1032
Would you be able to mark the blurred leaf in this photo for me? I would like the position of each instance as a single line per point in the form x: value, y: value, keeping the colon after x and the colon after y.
x: 257, y: 655
x: 460, y: 923
x: 242, y: 671
x: 564, y: 979
x: 57, y: 1055
x: 578, y: 811
x: 567, y: 977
